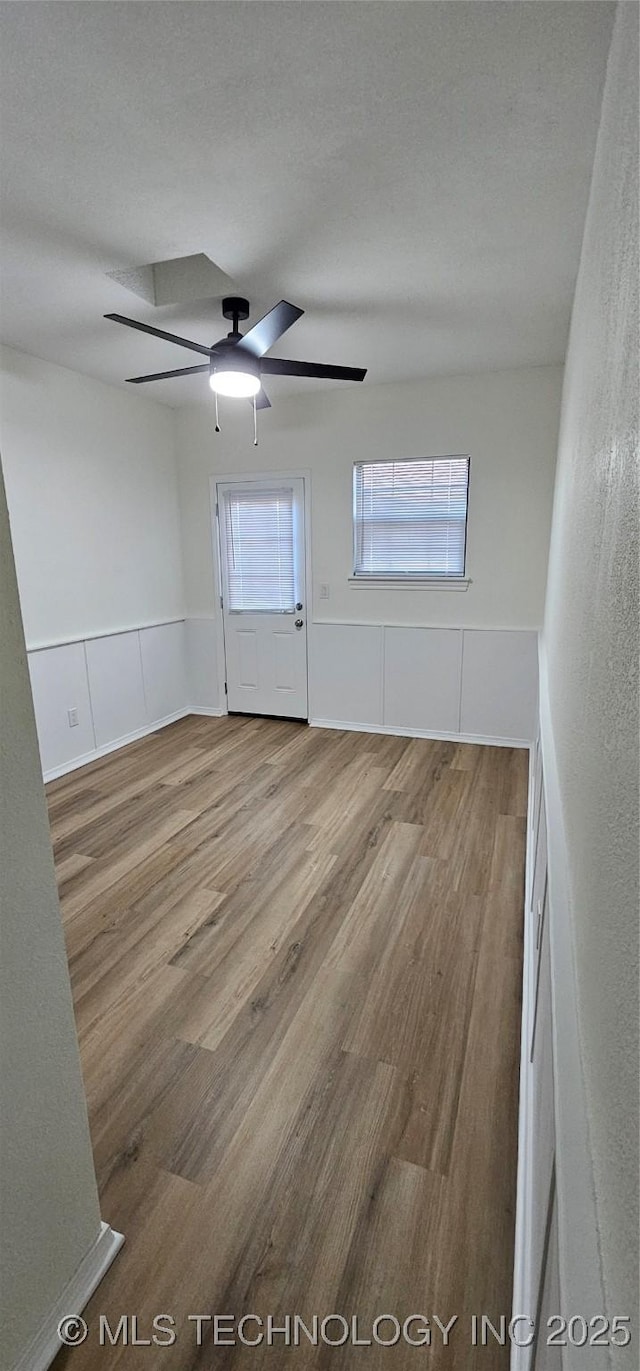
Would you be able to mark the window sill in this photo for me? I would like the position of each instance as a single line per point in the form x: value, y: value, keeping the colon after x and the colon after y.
x: 412, y: 582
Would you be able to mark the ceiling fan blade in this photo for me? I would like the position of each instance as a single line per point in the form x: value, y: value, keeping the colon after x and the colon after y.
x: 266, y: 332
x: 278, y: 366
x: 160, y: 333
x: 262, y: 400
x: 164, y: 375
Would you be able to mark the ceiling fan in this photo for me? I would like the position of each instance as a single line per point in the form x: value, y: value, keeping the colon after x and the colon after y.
x: 237, y: 363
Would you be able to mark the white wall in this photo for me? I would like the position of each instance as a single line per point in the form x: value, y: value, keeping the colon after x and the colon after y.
x: 49, y: 1200
x: 93, y: 502
x: 589, y: 685
x: 101, y: 544
x: 422, y: 661
x: 506, y: 421
x: 92, y: 493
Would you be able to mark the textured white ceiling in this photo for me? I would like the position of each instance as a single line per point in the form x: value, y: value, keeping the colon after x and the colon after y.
x: 413, y: 175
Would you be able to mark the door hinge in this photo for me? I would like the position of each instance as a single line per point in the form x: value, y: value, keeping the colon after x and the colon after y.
x: 217, y: 510
x: 221, y: 603
x: 225, y: 688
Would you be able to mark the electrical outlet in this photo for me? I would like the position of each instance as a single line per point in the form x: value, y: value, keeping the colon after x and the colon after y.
x: 324, y: 591
x: 73, y: 718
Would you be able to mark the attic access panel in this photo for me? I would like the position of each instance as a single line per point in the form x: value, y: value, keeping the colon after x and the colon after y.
x: 175, y: 281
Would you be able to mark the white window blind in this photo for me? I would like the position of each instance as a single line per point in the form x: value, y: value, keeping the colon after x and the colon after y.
x: 410, y: 517
x: 258, y: 529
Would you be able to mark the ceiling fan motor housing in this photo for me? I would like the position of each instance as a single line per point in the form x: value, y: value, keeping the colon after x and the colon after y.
x: 235, y: 307
x: 231, y: 356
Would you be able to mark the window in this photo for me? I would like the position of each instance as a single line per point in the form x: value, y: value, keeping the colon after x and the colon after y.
x: 258, y: 528
x: 410, y: 518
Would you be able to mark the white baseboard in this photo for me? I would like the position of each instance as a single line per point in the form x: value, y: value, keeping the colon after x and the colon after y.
x: 56, y: 771
x: 214, y: 712
x: 397, y: 732
x: 76, y: 762
x: 46, y: 1344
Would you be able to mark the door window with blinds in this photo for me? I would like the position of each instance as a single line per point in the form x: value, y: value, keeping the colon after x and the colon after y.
x: 258, y: 528
x: 410, y: 518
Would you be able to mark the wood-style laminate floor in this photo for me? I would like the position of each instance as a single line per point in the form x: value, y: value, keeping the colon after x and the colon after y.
x: 296, y: 965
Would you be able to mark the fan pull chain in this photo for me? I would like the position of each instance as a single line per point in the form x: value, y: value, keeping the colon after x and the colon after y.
x: 217, y: 424
x: 255, y: 423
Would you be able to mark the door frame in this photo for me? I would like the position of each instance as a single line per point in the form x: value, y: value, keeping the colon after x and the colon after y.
x: 255, y: 477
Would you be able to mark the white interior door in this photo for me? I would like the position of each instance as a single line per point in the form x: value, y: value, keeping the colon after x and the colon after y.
x: 262, y: 554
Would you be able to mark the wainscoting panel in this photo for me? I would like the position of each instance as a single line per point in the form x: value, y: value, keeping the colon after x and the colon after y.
x: 116, y: 686
x: 499, y: 683
x: 202, y: 663
x: 59, y: 683
x: 537, y: 1119
x: 445, y: 682
x: 549, y: 1358
x: 122, y: 685
x: 556, y: 1247
x: 345, y: 677
x: 542, y: 1153
x: 163, y: 669
x: 475, y: 683
x: 422, y: 675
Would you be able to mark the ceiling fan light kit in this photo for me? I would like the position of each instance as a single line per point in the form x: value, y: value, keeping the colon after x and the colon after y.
x: 237, y: 363
x: 236, y: 376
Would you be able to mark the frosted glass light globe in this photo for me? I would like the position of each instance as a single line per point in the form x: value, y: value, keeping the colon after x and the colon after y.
x: 237, y: 383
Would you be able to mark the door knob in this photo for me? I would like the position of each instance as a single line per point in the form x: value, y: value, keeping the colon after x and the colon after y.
x: 299, y: 623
